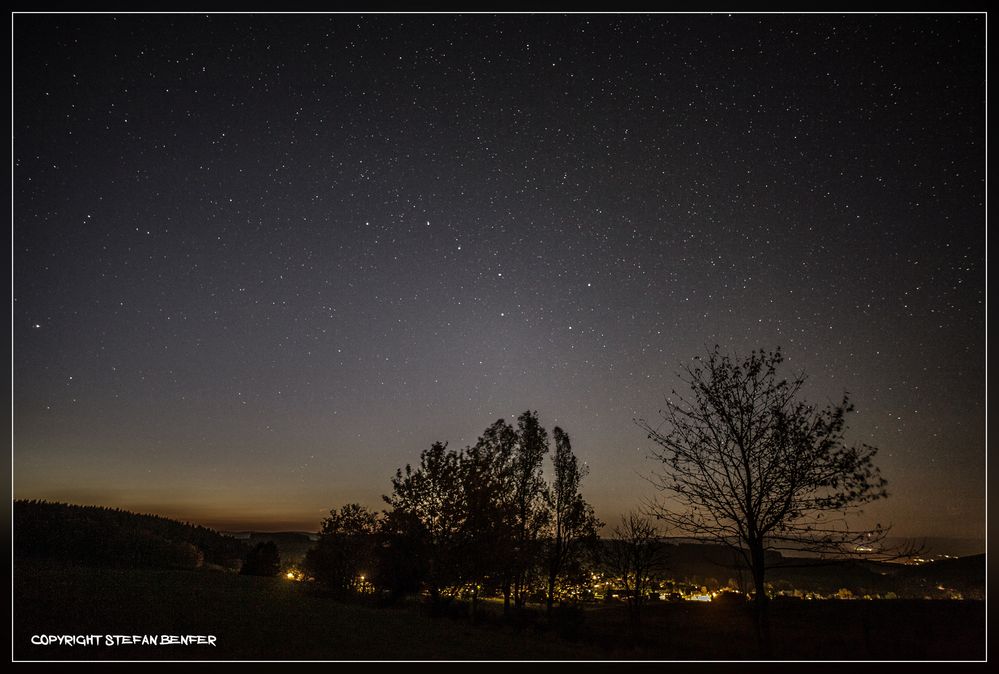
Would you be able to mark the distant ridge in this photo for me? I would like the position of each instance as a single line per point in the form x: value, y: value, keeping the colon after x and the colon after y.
x: 952, y: 546
x: 292, y: 545
x: 102, y: 536
x: 275, y: 535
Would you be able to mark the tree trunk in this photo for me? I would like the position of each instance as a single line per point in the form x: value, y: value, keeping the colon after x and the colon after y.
x: 550, y: 599
x: 761, y: 603
x: 519, y: 589
x: 635, y: 614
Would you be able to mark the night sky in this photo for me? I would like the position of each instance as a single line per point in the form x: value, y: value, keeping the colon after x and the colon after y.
x: 260, y: 262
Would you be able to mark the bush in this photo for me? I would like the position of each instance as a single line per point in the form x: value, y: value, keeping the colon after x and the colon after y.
x: 262, y: 560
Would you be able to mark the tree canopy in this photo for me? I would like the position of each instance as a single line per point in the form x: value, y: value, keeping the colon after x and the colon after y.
x: 486, y: 518
x: 345, y: 549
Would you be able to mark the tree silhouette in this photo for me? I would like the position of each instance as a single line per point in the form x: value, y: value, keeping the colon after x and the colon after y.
x: 530, y: 511
x: 401, y: 553
x: 634, y: 553
x: 432, y: 499
x: 113, y: 537
x: 262, y: 560
x: 485, y: 519
x: 345, y: 550
x: 747, y: 464
x: 488, y: 531
x: 573, y: 524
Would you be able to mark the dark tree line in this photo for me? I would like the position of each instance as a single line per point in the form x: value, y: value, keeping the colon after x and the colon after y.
x: 745, y: 463
x: 113, y: 537
x: 480, y: 521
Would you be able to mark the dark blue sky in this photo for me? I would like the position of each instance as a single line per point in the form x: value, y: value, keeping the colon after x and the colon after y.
x: 260, y: 262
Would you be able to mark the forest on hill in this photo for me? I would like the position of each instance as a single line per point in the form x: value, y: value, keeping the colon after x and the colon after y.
x: 99, y: 536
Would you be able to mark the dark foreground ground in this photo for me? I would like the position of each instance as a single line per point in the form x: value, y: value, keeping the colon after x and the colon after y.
x: 275, y: 619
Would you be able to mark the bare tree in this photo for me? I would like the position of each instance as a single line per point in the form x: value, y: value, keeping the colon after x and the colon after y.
x: 635, y: 553
x: 745, y: 463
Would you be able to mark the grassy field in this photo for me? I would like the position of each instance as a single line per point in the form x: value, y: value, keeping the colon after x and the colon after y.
x: 801, y: 630
x: 274, y: 619
x: 252, y: 618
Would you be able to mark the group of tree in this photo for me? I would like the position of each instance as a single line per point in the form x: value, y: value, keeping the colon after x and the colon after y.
x: 346, y: 549
x: 482, y: 520
x: 101, y: 536
x: 744, y: 462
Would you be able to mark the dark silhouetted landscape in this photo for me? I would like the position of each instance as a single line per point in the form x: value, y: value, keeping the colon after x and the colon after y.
x: 533, y: 336
x: 134, y: 584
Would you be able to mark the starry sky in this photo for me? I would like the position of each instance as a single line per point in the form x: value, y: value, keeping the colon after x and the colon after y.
x: 262, y: 261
